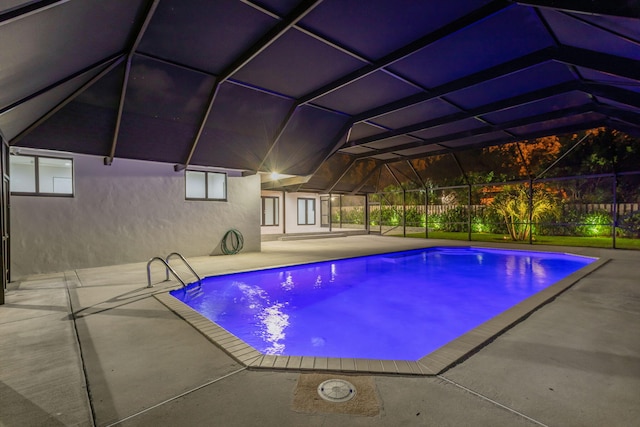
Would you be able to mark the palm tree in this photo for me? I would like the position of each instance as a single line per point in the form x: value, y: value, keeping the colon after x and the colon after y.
x: 513, y: 205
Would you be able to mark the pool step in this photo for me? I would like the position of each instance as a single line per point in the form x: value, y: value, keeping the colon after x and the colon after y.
x: 193, y: 292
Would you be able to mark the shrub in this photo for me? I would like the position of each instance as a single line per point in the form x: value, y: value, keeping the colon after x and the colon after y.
x: 454, y: 219
x: 415, y: 218
x: 594, y: 224
x: 630, y: 224
x: 435, y: 222
x: 568, y: 219
x: 486, y: 220
x: 574, y: 222
x: 386, y: 215
x: 353, y: 215
x: 391, y: 216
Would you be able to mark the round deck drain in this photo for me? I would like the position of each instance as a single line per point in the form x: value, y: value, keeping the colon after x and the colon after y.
x: 336, y: 390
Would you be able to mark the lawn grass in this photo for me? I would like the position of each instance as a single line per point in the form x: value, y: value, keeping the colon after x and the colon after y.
x: 592, y: 242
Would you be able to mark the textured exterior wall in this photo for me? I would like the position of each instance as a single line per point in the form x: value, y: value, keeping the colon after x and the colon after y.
x: 291, y: 205
x: 127, y: 212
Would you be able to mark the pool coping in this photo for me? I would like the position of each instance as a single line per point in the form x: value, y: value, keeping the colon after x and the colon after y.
x: 431, y: 364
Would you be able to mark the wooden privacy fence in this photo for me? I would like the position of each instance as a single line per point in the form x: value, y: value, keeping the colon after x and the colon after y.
x: 623, y: 208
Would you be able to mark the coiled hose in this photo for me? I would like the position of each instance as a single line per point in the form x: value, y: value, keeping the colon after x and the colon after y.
x: 232, y: 242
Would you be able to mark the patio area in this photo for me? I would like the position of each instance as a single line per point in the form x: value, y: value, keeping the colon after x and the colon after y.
x: 95, y: 347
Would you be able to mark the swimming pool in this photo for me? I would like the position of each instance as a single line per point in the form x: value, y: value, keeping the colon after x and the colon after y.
x: 358, y: 308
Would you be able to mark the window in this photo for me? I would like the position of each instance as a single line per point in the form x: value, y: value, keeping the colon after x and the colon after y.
x: 269, y: 211
x: 36, y: 175
x: 306, y: 211
x: 206, y: 185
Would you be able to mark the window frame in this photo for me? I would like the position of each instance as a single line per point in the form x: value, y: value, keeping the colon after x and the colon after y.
x: 37, y: 174
x: 206, y: 186
x: 306, y: 210
x: 276, y: 211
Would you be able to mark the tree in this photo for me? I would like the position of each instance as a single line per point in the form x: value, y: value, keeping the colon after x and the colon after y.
x: 538, y: 154
x: 513, y: 205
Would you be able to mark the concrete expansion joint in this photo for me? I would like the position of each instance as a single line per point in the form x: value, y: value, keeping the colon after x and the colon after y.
x: 488, y: 399
x: 72, y: 279
x: 179, y: 396
x: 85, y: 377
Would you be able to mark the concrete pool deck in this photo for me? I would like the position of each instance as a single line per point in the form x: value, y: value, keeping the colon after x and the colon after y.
x: 95, y: 347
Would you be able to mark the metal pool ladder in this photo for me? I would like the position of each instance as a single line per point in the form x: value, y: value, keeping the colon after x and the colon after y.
x: 169, y: 269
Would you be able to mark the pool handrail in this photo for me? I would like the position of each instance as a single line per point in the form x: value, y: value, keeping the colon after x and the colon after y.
x: 174, y: 254
x: 169, y: 269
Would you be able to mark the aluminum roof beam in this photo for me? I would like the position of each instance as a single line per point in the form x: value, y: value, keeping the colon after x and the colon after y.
x: 598, y: 61
x: 267, y: 40
x: 500, y: 70
x: 60, y: 82
x: 32, y: 7
x: 623, y: 96
x: 555, y: 54
x: 110, y: 67
x: 627, y: 9
x: 485, y: 129
x: 362, y: 183
x: 408, y: 50
x: 342, y: 175
x: 479, y: 111
x: 629, y: 117
x: 533, y: 135
x: 333, y: 146
x: 125, y: 81
x: 387, y: 60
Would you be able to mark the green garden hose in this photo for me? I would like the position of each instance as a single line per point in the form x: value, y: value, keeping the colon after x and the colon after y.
x: 234, y: 237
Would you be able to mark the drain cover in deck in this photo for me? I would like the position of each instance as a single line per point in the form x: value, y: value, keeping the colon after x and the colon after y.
x: 335, y: 390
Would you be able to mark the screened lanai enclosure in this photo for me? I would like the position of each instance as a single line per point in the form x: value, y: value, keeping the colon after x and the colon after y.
x: 576, y: 189
x: 516, y: 120
x: 298, y: 86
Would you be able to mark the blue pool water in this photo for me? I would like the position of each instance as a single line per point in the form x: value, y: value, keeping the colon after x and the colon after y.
x: 399, y: 306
